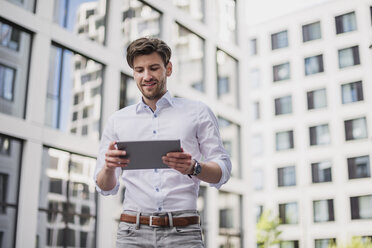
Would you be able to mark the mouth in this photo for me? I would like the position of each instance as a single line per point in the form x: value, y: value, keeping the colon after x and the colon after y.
x: 149, y: 84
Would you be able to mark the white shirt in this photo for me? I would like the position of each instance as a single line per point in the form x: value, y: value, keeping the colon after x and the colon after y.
x: 164, y: 190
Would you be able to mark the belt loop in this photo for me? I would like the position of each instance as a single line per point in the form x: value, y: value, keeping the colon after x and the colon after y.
x: 138, y: 220
x: 170, y: 217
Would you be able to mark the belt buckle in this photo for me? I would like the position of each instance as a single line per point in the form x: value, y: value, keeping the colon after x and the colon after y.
x: 152, y: 225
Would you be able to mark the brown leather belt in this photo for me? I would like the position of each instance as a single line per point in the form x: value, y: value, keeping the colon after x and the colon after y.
x: 160, y: 221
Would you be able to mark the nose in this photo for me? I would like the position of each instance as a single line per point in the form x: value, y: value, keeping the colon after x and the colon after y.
x: 147, y: 75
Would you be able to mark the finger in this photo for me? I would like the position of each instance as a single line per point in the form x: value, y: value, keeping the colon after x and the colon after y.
x: 115, y: 153
x: 112, y: 145
x: 115, y: 165
x: 117, y: 160
x: 178, y: 155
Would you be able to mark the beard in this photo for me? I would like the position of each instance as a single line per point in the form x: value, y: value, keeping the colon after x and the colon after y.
x: 156, y: 92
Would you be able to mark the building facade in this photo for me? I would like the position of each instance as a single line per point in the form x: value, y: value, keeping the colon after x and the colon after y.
x: 311, y: 122
x: 63, y: 73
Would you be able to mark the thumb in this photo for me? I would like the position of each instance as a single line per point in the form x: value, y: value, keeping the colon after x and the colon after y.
x: 112, y: 145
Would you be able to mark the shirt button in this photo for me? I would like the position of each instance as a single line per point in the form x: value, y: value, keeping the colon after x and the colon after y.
x: 159, y: 208
x: 155, y: 115
x: 154, y: 131
x: 157, y: 189
x: 156, y: 170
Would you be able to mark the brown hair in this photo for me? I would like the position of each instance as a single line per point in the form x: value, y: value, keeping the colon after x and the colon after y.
x: 146, y: 46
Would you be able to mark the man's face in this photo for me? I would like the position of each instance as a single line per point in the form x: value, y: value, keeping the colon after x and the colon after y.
x: 151, y: 75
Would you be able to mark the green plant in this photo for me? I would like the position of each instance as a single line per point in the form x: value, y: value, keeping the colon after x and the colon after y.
x: 267, y: 230
x: 356, y: 242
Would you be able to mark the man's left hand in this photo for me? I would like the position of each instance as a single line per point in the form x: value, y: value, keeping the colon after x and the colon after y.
x: 180, y: 161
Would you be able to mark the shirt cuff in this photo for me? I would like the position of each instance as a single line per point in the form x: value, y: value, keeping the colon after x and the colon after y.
x: 225, y: 173
x: 106, y: 192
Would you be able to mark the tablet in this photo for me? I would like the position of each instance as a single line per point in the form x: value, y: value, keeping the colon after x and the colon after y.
x: 147, y: 154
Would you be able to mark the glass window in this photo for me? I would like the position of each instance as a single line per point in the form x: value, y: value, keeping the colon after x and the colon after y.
x: 10, y: 169
x: 319, y: 135
x: 311, y: 32
x: 316, y: 99
x: 253, y: 47
x: 283, y: 105
x: 356, y: 129
x: 323, y: 210
x: 289, y: 244
x: 288, y: 213
x: 281, y: 72
x: 14, y: 62
x: 69, y: 90
x: 321, y: 172
x: 259, y: 211
x: 324, y: 243
x: 254, y: 78
x: 258, y: 179
x: 346, y: 23
x: 359, y: 167
x: 352, y: 92
x: 188, y: 58
x: 139, y: 20
x: 84, y: 18
x: 284, y: 140
x: 67, y: 207
x: 348, y: 57
x: 361, y: 207
x: 314, y: 65
x: 226, y: 20
x: 256, y: 110
x: 287, y: 176
x: 129, y: 93
x: 194, y: 8
x: 279, y: 40
x: 26, y: 4
x: 227, y: 79
x: 230, y: 213
x: 230, y: 134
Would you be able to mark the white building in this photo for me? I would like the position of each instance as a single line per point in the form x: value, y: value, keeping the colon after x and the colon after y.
x: 63, y: 73
x: 311, y: 122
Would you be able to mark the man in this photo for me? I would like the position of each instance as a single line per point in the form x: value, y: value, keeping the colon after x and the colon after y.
x: 159, y: 208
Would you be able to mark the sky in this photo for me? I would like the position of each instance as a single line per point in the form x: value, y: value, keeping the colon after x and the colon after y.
x: 264, y: 10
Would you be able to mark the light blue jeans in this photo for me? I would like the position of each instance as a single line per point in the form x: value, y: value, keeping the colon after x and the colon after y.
x: 133, y: 236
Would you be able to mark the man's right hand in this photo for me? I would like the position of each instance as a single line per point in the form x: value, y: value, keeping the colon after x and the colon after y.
x: 113, y: 157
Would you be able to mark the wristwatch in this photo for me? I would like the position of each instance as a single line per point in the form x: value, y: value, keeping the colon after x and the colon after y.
x: 197, y: 168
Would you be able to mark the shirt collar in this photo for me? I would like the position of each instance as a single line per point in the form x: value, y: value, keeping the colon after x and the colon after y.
x: 166, y: 99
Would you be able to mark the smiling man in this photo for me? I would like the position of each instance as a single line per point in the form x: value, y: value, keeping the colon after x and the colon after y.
x: 159, y: 208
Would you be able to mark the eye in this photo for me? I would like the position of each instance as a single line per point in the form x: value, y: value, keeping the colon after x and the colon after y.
x: 139, y: 70
x: 154, y: 68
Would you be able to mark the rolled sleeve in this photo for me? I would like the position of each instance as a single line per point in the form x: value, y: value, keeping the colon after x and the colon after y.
x: 210, y: 143
x: 107, y: 137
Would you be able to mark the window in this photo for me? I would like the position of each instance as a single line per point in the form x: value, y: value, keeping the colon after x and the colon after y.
x: 88, y: 19
x: 256, y: 110
x: 323, y: 210
x: 346, y: 23
x: 289, y: 244
x: 288, y: 213
x: 258, y: 179
x: 287, y: 176
x: 226, y: 21
x: 314, y: 65
x: 14, y: 63
x: 283, y: 105
x: 195, y: 9
x: 281, y: 72
x: 67, y: 210
x: 324, y: 243
x: 319, y: 135
x: 129, y: 93
x: 227, y: 79
x: 259, y: 211
x: 284, y: 140
x: 26, y: 4
x: 316, y: 99
x: 279, y: 40
x: 188, y: 58
x: 253, y: 47
x: 352, y: 92
x: 311, y: 32
x: 348, y: 57
x: 139, y: 19
x: 254, y: 78
x: 64, y: 83
x: 230, y: 134
x: 10, y: 170
x: 321, y: 172
x: 356, y: 129
x: 359, y: 167
x: 361, y: 207
x: 230, y: 212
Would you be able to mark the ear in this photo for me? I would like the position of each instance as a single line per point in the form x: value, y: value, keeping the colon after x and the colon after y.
x: 169, y: 69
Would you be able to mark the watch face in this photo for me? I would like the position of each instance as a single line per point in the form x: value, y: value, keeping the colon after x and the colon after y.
x: 197, y: 168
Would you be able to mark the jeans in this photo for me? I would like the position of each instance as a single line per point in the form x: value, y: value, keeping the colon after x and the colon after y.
x: 129, y: 236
